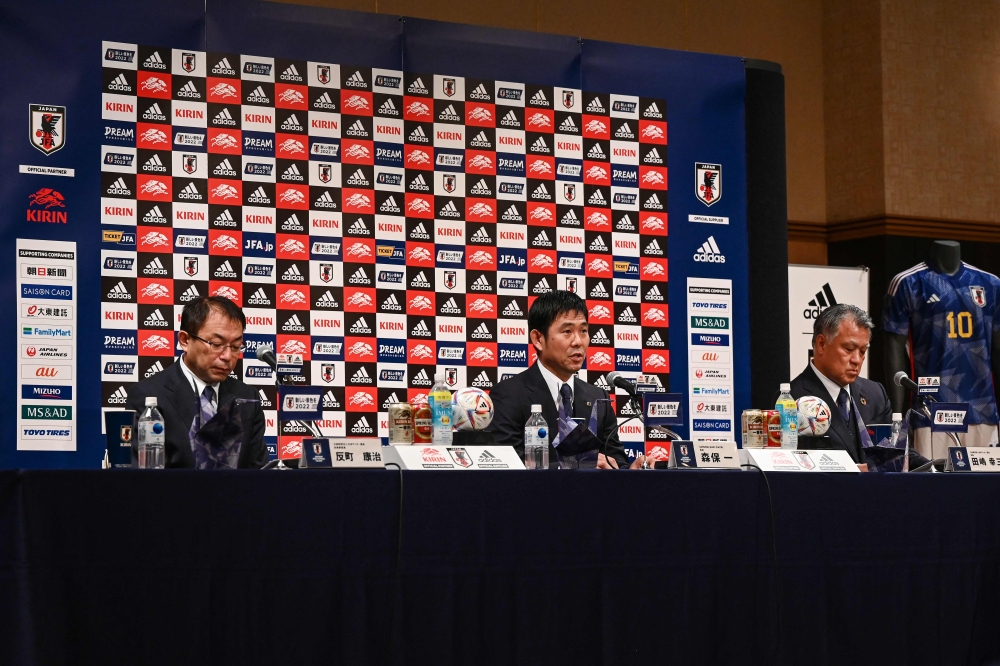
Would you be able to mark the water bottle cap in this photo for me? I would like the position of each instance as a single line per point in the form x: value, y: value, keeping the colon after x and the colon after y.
x: 151, y: 401
x: 536, y: 409
x: 896, y: 416
x: 785, y: 387
x: 439, y: 376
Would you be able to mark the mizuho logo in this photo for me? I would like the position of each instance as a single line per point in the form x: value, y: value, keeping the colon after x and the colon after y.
x: 824, y: 299
x: 709, y: 252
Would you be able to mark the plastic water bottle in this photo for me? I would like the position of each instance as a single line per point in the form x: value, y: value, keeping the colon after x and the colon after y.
x: 897, y: 428
x: 536, y: 440
x: 789, y: 418
x: 151, y: 436
x: 439, y: 400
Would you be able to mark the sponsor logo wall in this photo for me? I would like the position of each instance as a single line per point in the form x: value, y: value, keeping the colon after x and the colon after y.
x: 385, y: 225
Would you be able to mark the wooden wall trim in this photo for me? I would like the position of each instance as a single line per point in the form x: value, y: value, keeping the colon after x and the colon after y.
x: 894, y: 225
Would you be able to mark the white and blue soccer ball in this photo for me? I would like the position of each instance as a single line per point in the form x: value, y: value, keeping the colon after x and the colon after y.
x: 472, y: 409
x: 814, y: 415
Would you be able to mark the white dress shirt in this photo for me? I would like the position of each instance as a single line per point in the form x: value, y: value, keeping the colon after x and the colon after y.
x: 197, y: 383
x: 555, y: 385
x: 832, y: 387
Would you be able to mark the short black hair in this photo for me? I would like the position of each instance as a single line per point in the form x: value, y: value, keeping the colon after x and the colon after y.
x: 196, y: 313
x: 829, y: 321
x: 549, y: 306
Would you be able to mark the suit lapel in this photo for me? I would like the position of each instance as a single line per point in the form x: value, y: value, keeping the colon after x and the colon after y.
x: 540, y: 395
x: 583, y: 403
x: 839, y: 429
x: 180, y: 394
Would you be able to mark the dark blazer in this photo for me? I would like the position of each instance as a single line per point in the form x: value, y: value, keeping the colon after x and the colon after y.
x: 512, y: 400
x: 178, y: 403
x: 870, y: 398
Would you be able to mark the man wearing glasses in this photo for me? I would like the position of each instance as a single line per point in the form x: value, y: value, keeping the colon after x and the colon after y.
x: 198, y: 383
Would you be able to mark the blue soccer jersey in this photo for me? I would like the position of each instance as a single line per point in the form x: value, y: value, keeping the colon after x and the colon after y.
x: 951, y: 321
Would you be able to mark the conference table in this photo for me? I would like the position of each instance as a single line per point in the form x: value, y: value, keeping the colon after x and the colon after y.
x: 498, y: 567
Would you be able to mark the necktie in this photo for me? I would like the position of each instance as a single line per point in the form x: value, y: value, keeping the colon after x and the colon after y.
x: 207, y: 405
x: 844, y: 405
x: 566, y: 402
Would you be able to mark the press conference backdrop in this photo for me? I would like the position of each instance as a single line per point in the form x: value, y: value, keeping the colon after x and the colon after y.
x: 383, y: 195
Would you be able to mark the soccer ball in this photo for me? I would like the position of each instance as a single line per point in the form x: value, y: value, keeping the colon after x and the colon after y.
x: 814, y: 416
x: 472, y: 409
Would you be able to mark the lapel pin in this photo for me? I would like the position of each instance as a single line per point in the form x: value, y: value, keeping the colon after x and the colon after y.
x: 863, y: 401
x: 589, y: 404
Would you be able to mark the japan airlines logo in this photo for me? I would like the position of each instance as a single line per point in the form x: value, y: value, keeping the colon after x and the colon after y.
x: 418, y: 109
x: 597, y: 219
x: 226, y: 292
x: 223, y: 140
x: 292, y: 196
x: 225, y: 242
x: 360, y: 299
x: 421, y: 303
x: 153, y: 135
x: 481, y: 210
x: 154, y: 84
x: 154, y: 187
x: 356, y: 103
x: 419, y: 157
x: 156, y: 342
x: 420, y: 254
x: 223, y: 90
x: 421, y: 352
x: 225, y: 191
x: 293, y: 297
x: 357, y: 151
x: 479, y: 162
x: 155, y: 239
x: 293, y: 246
x: 292, y: 146
x: 600, y: 312
x: 542, y: 261
x: 599, y: 266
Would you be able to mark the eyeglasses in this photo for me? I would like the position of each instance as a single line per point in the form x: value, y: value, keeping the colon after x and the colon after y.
x: 217, y: 347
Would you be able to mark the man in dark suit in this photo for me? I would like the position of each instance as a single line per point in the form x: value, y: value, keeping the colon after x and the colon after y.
x: 557, y: 327
x: 198, y: 383
x: 841, y: 337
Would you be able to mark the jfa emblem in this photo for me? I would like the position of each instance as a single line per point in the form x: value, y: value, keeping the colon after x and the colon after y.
x: 323, y: 74
x: 191, y: 266
x: 317, y: 449
x: 684, y: 449
x: 451, y: 376
x: 328, y: 372
x: 448, y: 87
x: 190, y: 163
x: 571, y: 284
x: 326, y: 272
x: 569, y: 191
x: 126, y: 434
x: 449, y: 182
x: 47, y: 127
x: 978, y: 295
x: 804, y: 460
x: 326, y: 172
x: 451, y: 279
x: 461, y: 457
x: 568, y: 98
x: 708, y: 182
x: 188, y: 62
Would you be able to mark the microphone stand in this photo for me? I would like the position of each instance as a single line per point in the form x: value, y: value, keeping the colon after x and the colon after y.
x: 308, y: 425
x: 932, y: 465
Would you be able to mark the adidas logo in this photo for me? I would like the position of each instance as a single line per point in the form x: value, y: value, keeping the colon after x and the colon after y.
x: 388, y: 108
x: 653, y: 202
x: 481, y: 188
x: 626, y: 316
x: 330, y: 401
x: 224, y: 168
x: 418, y: 88
x: 510, y: 120
x: 569, y: 126
x: 419, y: 184
x: 225, y: 219
x: 293, y: 274
x: 293, y: 173
x: 541, y: 192
x: 480, y: 93
x: 599, y: 291
x: 451, y: 307
x: 120, y: 84
x: 480, y: 141
x: 449, y: 210
x: 600, y: 338
x: 119, y: 187
x: 482, y: 380
x: 420, y: 281
x: 653, y: 294
x: 652, y: 111
x: 391, y: 303
x: 481, y: 236
x: 259, y: 196
x: 155, y: 267
x: 597, y: 199
x: 653, y: 157
x: 327, y: 300
x: 154, y: 216
x: 191, y: 293
x: 629, y: 410
x: 390, y: 206
x: 153, y: 369
x: 361, y: 376
x: 653, y: 248
x: 259, y: 298
x: 190, y: 192
x: 624, y: 223
x: 933, y: 299
x: 541, y: 240
x: 154, y: 62
x: 225, y: 271
x: 624, y: 132
x: 264, y: 402
x: 421, y: 330
x: 119, y: 397
x: 539, y: 99
x: 156, y: 318
x: 292, y: 124
x: 390, y: 400
x: 358, y: 178
x: 825, y: 298
x: 598, y: 245
x: 511, y: 215
x: 418, y: 136
x: 361, y: 327
x: 325, y: 201
x: 223, y: 67
x: 362, y: 427
x: 188, y: 90
x: 512, y: 310
x: 655, y: 340
x: 360, y: 277
x: 595, y: 106
x: 542, y: 286
x: 419, y: 232
x: 539, y: 146
x: 355, y: 80
x: 357, y: 128
x: 324, y: 102
x: 154, y: 113
x: 448, y: 113
x: 481, y: 284
x: 291, y: 74
x: 293, y: 325
x: 482, y: 332
x: 570, y: 218
x: 421, y: 378
x: 596, y: 152
x: 709, y: 252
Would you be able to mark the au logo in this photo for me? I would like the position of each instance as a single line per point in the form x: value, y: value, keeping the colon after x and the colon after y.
x: 47, y: 127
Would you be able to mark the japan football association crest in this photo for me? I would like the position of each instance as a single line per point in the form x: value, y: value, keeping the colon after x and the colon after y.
x: 568, y: 99
x: 708, y: 182
x: 126, y: 434
x: 451, y: 377
x: 323, y: 74
x: 978, y: 295
x: 191, y: 266
x: 47, y: 127
x: 569, y: 191
x: 461, y: 457
x: 190, y: 163
x: 448, y: 87
x: 328, y: 372
x: 188, y: 62
x: 804, y: 460
x: 451, y: 279
x: 326, y: 272
x: 325, y: 173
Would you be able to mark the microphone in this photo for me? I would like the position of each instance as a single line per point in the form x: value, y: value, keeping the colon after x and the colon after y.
x: 901, y: 379
x: 615, y: 378
x: 266, y: 354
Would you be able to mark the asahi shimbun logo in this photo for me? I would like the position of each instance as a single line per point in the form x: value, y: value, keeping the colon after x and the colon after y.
x: 708, y: 182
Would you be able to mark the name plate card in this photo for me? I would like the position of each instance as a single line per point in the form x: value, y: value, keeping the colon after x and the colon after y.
x: 452, y: 457
x: 793, y: 460
x: 703, y: 455
x: 355, y: 452
x: 973, y: 459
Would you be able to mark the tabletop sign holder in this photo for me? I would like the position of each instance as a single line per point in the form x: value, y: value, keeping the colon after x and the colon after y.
x: 315, y: 453
x: 973, y: 459
x: 119, y: 431
x: 703, y: 455
x: 342, y: 453
x: 419, y: 456
x: 800, y: 460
